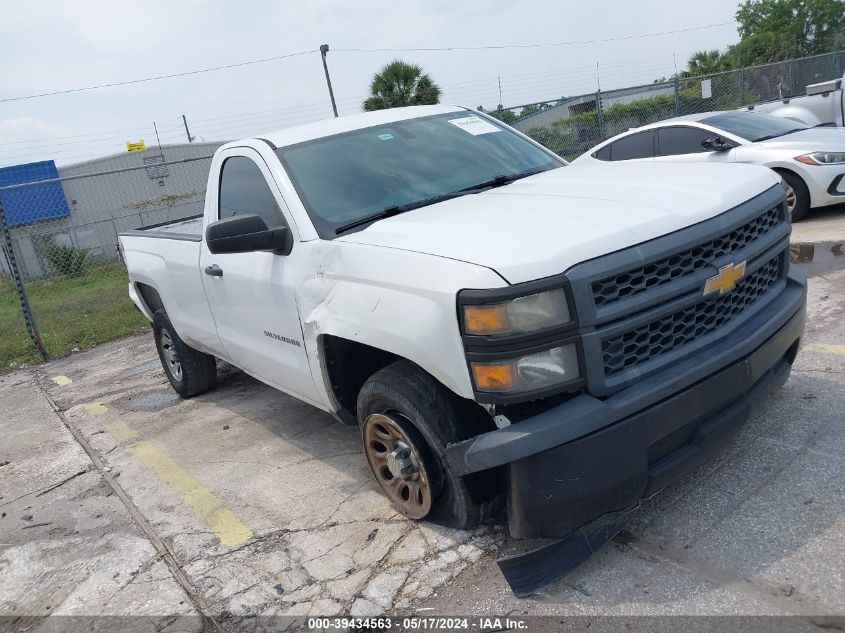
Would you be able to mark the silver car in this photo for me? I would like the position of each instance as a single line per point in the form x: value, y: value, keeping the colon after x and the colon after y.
x: 810, y: 160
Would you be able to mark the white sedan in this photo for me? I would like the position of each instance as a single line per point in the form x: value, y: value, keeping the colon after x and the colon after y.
x: 811, y: 161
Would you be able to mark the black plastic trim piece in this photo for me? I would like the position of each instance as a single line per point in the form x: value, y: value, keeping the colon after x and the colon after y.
x: 528, y: 573
x: 834, y: 185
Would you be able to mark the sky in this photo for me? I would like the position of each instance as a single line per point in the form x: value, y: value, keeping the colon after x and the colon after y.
x: 48, y: 46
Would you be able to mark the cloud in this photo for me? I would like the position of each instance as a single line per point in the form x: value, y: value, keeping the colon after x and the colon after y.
x: 25, y: 128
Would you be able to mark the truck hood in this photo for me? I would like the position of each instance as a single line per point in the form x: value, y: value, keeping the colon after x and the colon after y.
x: 542, y: 225
x: 815, y: 139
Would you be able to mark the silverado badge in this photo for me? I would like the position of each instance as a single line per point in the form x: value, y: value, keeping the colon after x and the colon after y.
x: 726, y: 279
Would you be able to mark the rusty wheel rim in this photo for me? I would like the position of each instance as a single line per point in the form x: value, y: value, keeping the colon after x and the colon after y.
x: 397, y: 465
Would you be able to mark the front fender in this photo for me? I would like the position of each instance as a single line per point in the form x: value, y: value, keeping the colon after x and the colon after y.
x: 397, y: 301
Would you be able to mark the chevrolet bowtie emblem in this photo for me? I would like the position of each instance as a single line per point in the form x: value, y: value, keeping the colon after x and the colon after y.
x: 726, y: 279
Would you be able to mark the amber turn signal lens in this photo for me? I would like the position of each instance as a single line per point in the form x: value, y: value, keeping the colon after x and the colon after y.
x: 485, y: 319
x: 494, y: 376
x: 806, y: 159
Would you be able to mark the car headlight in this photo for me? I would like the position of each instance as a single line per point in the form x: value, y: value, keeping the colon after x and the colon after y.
x: 520, y: 315
x: 822, y: 158
x: 532, y: 372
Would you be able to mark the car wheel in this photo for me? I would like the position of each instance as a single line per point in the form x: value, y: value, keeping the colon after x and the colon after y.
x: 407, y: 419
x: 189, y: 371
x: 797, y: 196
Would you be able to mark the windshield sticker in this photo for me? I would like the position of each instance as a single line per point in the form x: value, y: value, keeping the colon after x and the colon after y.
x: 474, y: 125
x: 385, y: 137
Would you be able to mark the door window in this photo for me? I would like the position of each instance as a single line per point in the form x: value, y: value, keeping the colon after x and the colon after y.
x: 243, y: 189
x: 672, y: 141
x: 638, y: 145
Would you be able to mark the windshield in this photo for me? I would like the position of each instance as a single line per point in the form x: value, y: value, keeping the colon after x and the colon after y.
x: 348, y: 177
x: 753, y: 126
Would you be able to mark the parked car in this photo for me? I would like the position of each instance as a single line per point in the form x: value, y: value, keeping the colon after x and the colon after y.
x: 499, y: 324
x: 824, y: 104
x: 811, y: 161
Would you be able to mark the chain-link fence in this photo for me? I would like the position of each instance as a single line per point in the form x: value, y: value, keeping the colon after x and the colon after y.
x: 62, y: 285
x: 572, y: 125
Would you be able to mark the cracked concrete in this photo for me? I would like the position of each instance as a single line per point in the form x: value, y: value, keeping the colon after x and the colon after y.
x: 323, y: 538
x: 68, y: 546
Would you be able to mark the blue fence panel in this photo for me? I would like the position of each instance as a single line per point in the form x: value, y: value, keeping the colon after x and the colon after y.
x: 26, y: 205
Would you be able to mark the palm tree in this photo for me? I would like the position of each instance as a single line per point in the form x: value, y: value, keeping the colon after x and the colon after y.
x: 400, y: 84
x: 706, y: 63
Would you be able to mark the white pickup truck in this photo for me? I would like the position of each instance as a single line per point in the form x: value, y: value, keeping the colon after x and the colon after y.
x: 824, y: 104
x: 499, y: 324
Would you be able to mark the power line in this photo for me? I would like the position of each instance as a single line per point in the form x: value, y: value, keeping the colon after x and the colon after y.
x: 359, y: 50
x: 138, y: 81
x: 58, y: 138
x: 504, y: 46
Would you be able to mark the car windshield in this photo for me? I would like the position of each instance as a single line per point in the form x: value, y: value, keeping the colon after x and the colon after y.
x: 383, y: 170
x: 753, y: 126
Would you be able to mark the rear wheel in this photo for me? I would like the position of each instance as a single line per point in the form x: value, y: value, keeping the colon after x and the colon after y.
x: 407, y: 419
x: 797, y: 196
x: 189, y: 371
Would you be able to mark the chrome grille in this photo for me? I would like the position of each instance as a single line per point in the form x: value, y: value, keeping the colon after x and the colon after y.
x: 678, y: 328
x: 662, y: 271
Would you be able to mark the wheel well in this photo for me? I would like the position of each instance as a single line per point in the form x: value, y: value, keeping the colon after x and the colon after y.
x: 150, y: 297
x: 346, y: 366
x: 782, y: 170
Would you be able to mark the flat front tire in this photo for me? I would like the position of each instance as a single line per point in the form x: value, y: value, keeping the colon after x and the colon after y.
x: 407, y: 419
x: 189, y: 371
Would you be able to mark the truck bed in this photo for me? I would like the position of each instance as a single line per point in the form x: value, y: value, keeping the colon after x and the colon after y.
x: 189, y: 229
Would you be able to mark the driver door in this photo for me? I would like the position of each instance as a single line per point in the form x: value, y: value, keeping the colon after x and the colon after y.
x: 251, y: 295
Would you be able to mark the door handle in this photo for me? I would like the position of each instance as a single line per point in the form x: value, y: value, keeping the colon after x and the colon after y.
x: 214, y: 270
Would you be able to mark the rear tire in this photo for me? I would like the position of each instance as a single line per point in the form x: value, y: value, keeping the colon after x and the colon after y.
x: 419, y: 415
x: 797, y: 196
x: 189, y: 371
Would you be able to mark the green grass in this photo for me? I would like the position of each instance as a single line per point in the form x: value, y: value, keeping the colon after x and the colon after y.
x: 70, y: 313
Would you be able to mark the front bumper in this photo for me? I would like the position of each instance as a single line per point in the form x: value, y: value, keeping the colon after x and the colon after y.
x: 826, y: 184
x: 588, y: 457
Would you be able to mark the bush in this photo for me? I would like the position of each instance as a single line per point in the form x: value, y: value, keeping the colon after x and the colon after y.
x: 66, y: 260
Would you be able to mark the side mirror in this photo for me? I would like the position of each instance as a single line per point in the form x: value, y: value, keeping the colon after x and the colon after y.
x: 715, y: 144
x: 247, y: 233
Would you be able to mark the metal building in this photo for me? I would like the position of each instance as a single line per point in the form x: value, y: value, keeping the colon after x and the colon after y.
x: 136, y: 190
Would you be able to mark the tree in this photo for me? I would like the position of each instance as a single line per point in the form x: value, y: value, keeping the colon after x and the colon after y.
x: 400, y: 84
x: 772, y: 30
x: 706, y: 63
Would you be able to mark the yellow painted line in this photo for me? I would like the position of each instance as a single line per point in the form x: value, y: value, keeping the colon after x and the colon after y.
x: 121, y: 431
x: 229, y: 528
x: 62, y: 380
x: 95, y: 408
x: 827, y: 349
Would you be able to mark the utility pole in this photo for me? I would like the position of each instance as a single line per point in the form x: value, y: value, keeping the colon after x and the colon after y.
x: 187, y: 131
x: 500, y: 91
x: 324, y: 48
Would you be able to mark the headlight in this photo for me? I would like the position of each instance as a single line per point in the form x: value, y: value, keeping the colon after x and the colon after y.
x: 822, y: 158
x: 532, y: 372
x: 521, y: 315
